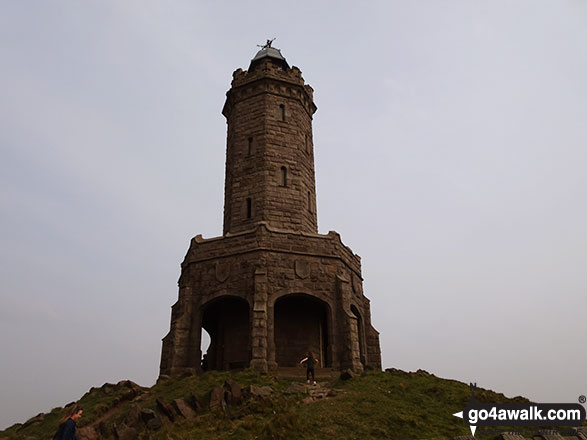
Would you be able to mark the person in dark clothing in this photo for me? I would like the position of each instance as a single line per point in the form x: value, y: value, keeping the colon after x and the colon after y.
x: 66, y: 429
x: 205, y: 363
x: 310, y: 360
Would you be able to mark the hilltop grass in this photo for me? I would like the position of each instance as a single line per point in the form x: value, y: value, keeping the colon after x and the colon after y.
x: 375, y: 405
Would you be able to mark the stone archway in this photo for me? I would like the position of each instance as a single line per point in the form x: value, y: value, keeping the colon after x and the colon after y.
x: 301, y: 324
x: 226, y: 319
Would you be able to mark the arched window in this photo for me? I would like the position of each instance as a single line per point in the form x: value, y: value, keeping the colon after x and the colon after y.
x: 282, y: 109
x: 283, y: 181
x: 249, y: 208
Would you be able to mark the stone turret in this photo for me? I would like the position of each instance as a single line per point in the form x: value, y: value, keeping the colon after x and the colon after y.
x: 271, y: 288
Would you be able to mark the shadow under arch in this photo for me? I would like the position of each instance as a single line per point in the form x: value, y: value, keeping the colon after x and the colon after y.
x: 227, y: 320
x: 301, y: 324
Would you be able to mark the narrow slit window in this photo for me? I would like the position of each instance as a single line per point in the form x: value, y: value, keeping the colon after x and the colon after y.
x: 283, y: 176
x: 250, y: 147
x: 309, y: 202
x: 307, y: 144
x: 249, y: 208
x: 282, y: 110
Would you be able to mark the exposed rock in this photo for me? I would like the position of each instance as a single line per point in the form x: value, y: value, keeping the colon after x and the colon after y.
x: 87, y: 433
x: 581, y: 432
x: 255, y: 391
x: 163, y: 377
x: 154, y: 424
x: 347, y: 374
x: 124, y: 432
x: 217, y: 398
x: 107, y: 388
x: 183, y: 409
x: 550, y: 434
x: 296, y: 388
x: 397, y: 371
x: 133, y: 418
x: 147, y: 414
x: 308, y: 399
x: 332, y: 393
x: 234, y: 390
x: 37, y: 419
x: 165, y: 408
x: 104, y: 430
x: 194, y: 402
x: 318, y: 392
x: 511, y: 436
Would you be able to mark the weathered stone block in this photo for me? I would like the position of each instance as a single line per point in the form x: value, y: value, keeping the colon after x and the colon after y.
x: 182, y: 408
x: 217, y: 398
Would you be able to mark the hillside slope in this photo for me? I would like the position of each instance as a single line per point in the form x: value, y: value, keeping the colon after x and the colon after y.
x: 246, y: 405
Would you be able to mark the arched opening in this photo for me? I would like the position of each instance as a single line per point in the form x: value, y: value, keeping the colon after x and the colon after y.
x: 226, y: 320
x: 360, y: 334
x: 301, y: 324
x: 205, y: 341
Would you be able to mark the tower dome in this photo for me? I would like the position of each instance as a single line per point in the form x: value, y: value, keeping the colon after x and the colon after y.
x: 272, y: 53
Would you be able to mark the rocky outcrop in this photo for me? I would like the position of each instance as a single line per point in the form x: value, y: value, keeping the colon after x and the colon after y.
x: 37, y: 419
x: 183, y: 409
x: 166, y: 409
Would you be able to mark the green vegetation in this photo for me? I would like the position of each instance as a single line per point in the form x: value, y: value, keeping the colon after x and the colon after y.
x: 375, y: 405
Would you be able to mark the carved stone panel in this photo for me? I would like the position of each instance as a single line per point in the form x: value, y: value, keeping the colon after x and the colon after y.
x: 222, y: 271
x: 302, y: 269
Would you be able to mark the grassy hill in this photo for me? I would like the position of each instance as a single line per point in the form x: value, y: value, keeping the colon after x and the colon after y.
x: 375, y: 405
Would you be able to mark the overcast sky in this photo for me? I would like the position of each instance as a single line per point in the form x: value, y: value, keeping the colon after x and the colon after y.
x: 451, y: 154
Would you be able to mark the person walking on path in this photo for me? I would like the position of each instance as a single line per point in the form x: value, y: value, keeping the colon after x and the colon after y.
x: 310, y: 360
x: 66, y: 429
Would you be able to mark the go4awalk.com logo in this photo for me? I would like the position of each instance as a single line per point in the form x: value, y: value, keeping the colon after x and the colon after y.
x: 515, y: 414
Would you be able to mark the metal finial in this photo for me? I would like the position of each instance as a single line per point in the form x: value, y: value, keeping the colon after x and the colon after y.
x: 266, y: 45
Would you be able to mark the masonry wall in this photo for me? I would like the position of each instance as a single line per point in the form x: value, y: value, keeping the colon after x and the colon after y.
x: 261, y: 266
x: 270, y: 155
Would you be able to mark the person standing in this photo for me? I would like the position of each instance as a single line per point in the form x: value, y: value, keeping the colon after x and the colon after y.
x: 67, y: 424
x: 310, y: 360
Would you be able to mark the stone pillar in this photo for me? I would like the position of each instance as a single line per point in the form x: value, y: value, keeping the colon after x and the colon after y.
x: 175, y: 358
x: 373, y: 348
x: 348, y: 328
x: 259, y: 323
x: 195, y: 349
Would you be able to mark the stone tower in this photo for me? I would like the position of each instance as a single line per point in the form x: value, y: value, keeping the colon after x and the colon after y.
x: 271, y: 288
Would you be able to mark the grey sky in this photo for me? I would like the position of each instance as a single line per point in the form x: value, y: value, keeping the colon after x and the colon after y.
x: 450, y: 154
